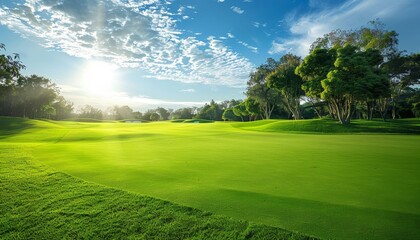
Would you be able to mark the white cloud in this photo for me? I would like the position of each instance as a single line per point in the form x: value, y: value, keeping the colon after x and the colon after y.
x: 220, y: 1
x: 189, y: 90
x: 252, y: 48
x: 134, y: 34
x: 258, y: 24
x: 350, y: 15
x: 236, y: 9
x: 230, y: 35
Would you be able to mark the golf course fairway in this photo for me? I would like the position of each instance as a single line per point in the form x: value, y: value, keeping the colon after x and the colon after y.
x: 338, y: 185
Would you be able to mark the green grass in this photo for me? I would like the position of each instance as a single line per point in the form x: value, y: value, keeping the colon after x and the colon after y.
x: 40, y: 203
x: 342, y: 186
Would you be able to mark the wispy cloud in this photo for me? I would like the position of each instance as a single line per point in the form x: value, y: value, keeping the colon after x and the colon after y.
x: 137, y: 34
x: 306, y: 29
x: 189, y: 90
x: 252, y: 48
x: 258, y: 24
x: 220, y: 1
x: 236, y: 9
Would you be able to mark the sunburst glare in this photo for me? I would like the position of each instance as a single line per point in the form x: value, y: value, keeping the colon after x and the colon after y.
x: 99, y: 78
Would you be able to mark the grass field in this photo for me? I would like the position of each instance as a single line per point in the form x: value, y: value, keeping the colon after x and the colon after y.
x: 329, y: 180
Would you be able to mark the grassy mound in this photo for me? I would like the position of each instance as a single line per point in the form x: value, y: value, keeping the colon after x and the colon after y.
x: 406, y: 126
x: 37, y: 202
x: 192, y: 121
x: 133, y: 121
x: 84, y: 120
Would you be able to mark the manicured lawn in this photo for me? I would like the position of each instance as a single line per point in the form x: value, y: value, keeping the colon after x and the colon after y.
x: 341, y: 185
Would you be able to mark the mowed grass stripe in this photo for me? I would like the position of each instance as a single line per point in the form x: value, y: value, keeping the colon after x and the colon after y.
x: 39, y: 203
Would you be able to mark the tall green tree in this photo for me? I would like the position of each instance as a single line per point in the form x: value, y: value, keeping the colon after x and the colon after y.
x: 288, y: 83
x: 404, y: 73
x: 268, y: 98
x: 36, y: 93
x: 63, y: 108
x: 10, y: 67
x: 313, y: 69
x: 353, y: 77
x: 240, y: 111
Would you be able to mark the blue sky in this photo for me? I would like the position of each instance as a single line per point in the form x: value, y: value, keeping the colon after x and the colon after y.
x: 177, y: 53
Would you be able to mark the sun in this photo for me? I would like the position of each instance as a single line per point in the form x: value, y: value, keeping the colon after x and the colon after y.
x: 99, y: 78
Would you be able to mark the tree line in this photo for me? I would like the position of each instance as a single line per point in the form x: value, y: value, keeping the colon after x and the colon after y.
x: 347, y: 74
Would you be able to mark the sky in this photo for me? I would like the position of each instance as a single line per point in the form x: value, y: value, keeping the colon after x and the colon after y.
x: 175, y: 54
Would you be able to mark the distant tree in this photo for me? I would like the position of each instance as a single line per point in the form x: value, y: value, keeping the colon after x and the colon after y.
x: 63, y: 108
x: 163, y: 113
x: 288, y: 83
x: 123, y: 112
x: 147, y: 114
x: 211, y: 111
x: 88, y: 111
x: 137, y: 115
x: 183, y: 113
x: 154, y: 116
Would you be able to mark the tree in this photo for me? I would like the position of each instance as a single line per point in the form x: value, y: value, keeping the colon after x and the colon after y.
x: 403, y: 72
x: 88, y: 111
x: 240, y: 111
x: 228, y: 115
x: 36, y: 93
x: 252, y: 108
x: 210, y: 111
x: 288, y: 83
x: 373, y: 36
x: 268, y: 98
x: 137, y: 115
x: 63, y: 108
x: 10, y: 67
x: 123, y: 112
x: 154, y: 116
x: 353, y: 76
x: 163, y: 113
x: 315, y: 68
x: 183, y: 113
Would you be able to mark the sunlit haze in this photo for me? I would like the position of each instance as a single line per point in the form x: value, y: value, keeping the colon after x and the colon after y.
x: 99, y: 78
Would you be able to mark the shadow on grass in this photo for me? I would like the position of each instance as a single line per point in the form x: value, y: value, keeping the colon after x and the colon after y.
x: 13, y: 125
x: 327, y: 220
x: 406, y: 126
